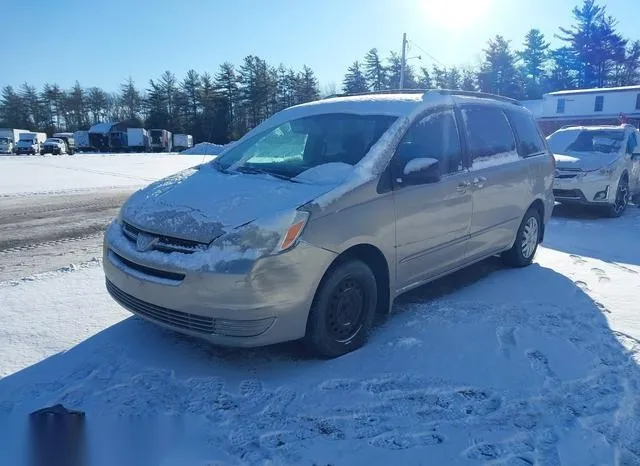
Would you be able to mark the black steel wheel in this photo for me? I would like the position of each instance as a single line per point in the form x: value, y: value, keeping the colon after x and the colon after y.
x: 343, y: 310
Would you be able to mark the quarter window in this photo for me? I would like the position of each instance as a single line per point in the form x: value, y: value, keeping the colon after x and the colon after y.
x: 599, y: 103
x: 489, y: 134
x: 529, y: 140
x: 433, y: 136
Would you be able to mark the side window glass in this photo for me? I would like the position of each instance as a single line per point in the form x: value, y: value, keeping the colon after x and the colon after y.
x: 529, y: 140
x: 489, y: 136
x: 433, y: 136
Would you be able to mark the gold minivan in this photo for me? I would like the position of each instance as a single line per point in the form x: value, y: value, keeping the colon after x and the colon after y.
x: 319, y: 217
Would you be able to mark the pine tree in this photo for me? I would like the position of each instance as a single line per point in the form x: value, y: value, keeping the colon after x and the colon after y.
x: 564, y: 72
x: 33, y: 106
x: 355, y: 81
x: 130, y: 100
x: 395, y: 64
x: 597, y: 45
x: 468, y: 80
x: 306, y: 89
x: 12, y: 109
x: 374, y: 71
x: 534, y: 57
x: 76, y: 108
x: 98, y: 104
x: 627, y: 72
x: 424, y: 80
x: 191, y: 87
x: 226, y: 83
x: 52, y: 97
x: 498, y: 73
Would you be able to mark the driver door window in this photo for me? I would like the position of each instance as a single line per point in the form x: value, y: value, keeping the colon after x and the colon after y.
x: 433, y: 136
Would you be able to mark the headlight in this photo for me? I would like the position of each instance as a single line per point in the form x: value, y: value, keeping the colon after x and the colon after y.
x: 608, y: 171
x: 293, y: 232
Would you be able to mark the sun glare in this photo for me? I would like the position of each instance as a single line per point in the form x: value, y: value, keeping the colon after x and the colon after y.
x: 455, y: 14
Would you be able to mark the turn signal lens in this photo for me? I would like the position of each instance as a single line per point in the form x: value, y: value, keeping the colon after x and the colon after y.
x: 293, y: 232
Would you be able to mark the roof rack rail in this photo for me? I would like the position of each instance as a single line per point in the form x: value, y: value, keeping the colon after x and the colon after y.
x: 482, y: 95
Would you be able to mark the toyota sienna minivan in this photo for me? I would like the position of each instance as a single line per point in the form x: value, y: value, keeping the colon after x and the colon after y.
x: 323, y: 214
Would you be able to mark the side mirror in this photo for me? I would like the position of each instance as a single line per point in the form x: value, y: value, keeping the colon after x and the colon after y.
x: 421, y: 170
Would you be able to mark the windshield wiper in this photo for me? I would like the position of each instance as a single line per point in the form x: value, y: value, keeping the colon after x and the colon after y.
x: 260, y: 171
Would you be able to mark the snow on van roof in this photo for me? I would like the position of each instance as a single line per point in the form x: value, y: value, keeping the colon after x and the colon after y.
x: 101, y: 128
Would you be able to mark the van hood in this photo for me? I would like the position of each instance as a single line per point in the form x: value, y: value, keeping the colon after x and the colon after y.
x: 585, y: 161
x: 202, y: 203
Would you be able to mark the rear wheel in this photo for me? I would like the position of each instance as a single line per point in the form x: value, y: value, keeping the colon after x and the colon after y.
x: 343, y: 310
x: 525, y: 246
x: 621, y: 201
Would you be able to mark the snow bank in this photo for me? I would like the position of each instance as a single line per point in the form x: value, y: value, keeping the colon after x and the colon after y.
x: 206, y: 148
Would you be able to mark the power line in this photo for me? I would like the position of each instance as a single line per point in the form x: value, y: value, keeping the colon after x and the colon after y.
x: 426, y: 53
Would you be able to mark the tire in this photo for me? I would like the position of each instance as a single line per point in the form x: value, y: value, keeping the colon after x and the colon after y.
x: 343, y: 310
x: 525, y: 246
x: 616, y: 209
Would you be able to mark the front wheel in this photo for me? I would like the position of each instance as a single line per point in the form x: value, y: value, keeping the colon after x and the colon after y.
x: 525, y: 246
x: 343, y: 310
x: 621, y: 201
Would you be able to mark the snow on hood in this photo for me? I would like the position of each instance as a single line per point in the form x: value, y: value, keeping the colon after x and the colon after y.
x: 201, y: 203
x: 585, y: 161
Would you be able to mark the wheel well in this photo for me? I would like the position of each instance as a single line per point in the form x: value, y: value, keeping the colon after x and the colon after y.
x: 375, y: 260
x: 539, y: 206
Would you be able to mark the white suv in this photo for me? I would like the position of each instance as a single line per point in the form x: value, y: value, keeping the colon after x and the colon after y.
x: 597, y: 165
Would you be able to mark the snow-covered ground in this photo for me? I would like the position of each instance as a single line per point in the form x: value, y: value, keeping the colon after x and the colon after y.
x: 21, y: 175
x: 490, y: 366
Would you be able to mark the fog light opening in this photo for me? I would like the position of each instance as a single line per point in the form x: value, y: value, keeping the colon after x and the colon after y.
x: 601, y: 195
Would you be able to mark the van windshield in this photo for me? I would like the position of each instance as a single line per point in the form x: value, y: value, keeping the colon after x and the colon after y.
x: 599, y: 141
x: 298, y: 145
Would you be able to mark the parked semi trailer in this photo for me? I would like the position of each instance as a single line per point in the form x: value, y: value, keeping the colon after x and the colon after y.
x: 182, y: 142
x: 81, y: 139
x: 161, y: 140
x: 137, y: 140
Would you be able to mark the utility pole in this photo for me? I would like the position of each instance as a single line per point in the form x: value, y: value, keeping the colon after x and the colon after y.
x: 403, y: 59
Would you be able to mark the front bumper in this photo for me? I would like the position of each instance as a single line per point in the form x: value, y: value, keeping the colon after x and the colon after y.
x: 589, y: 189
x: 255, y: 303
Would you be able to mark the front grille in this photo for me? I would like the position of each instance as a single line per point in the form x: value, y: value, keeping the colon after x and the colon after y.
x: 148, y: 270
x: 570, y: 193
x: 165, y: 243
x: 563, y: 176
x: 192, y: 322
x: 179, y: 319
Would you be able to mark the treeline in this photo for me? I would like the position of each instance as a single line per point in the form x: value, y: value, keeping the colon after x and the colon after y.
x: 214, y: 108
x: 223, y: 106
x: 593, y: 54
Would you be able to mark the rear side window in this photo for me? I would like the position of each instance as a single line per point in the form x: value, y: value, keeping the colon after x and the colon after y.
x: 489, y: 134
x: 529, y: 139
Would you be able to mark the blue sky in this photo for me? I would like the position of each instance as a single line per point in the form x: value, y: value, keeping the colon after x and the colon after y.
x: 103, y: 43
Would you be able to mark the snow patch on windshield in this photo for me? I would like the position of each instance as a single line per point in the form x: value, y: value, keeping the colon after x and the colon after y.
x: 495, y: 160
x: 418, y: 164
x: 327, y: 173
